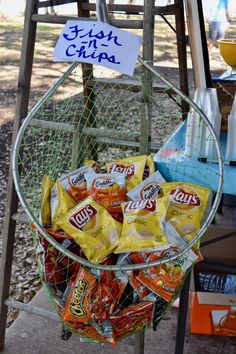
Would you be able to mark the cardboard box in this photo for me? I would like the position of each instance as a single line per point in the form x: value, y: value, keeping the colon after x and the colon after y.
x: 209, y: 311
x: 203, y: 318
x: 223, y: 251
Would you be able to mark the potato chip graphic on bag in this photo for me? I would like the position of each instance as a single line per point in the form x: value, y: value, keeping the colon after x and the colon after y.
x: 187, y: 204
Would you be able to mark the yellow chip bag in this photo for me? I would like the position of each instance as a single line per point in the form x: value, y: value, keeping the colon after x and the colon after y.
x: 142, y: 229
x: 93, y: 228
x: 187, y: 206
x: 149, y: 168
x: 61, y: 202
x: 45, y: 200
x: 131, y: 167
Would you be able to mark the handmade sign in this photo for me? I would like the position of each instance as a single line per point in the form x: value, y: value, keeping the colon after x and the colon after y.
x: 98, y: 43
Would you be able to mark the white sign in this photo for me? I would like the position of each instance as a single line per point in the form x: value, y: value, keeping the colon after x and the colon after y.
x: 98, y: 43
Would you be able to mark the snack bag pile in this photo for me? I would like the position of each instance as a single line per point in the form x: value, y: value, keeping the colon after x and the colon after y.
x: 120, y: 214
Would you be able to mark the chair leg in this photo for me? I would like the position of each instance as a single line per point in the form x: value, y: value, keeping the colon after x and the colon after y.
x: 139, y: 343
x: 182, y: 316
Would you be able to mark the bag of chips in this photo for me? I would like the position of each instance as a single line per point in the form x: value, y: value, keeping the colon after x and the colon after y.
x: 75, y: 184
x: 93, y: 228
x: 142, y: 226
x: 61, y: 202
x: 132, y: 319
x: 187, y: 204
x: 94, y: 165
x: 165, y: 280
x: 108, y: 190
x: 45, y: 200
x: 106, y: 297
x: 78, y: 304
x: 52, y: 271
x: 58, y: 234
x: 149, y: 168
x: 86, y: 330
x: 131, y: 167
x: 150, y: 188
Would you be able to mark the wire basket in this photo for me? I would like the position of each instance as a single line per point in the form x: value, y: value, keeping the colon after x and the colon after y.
x: 97, y: 114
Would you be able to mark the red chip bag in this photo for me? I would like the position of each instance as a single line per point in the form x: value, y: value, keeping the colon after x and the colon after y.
x: 132, y: 319
x: 78, y: 304
x: 165, y: 279
x: 87, y: 331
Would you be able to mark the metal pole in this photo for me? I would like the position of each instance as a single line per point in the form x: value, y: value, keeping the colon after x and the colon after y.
x: 182, y: 316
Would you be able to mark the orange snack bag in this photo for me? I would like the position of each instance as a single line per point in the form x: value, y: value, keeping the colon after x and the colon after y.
x: 142, y: 229
x: 93, y: 228
x: 140, y: 289
x: 187, y: 204
x: 61, y: 202
x: 132, y: 167
x: 47, y: 185
x: 106, y: 297
x: 165, y: 279
x: 78, y: 304
x: 108, y: 190
x: 57, y: 234
x: 133, y: 318
x: 75, y: 184
x: 86, y: 331
x: 149, y: 168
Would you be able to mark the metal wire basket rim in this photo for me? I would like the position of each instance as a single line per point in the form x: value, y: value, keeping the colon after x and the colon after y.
x: 50, y: 239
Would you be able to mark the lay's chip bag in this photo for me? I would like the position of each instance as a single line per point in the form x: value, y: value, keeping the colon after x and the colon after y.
x: 142, y: 226
x: 149, y: 168
x: 47, y: 185
x: 187, y: 204
x: 61, y: 202
x: 131, y: 167
x: 93, y: 228
x: 94, y: 165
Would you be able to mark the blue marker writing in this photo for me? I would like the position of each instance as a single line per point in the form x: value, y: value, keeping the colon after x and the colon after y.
x: 75, y: 31
x: 71, y: 51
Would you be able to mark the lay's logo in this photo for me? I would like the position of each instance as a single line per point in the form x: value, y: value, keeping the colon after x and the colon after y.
x: 83, y: 216
x: 179, y: 196
x: 149, y: 205
x: 127, y: 170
